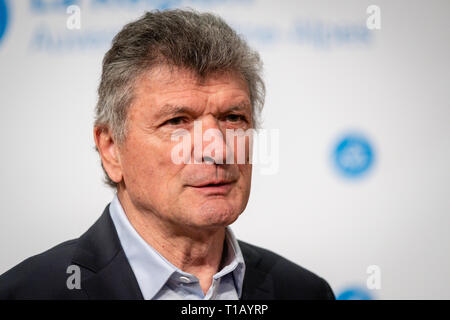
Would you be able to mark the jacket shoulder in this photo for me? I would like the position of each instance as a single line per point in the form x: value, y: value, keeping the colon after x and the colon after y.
x: 42, y: 276
x: 290, y: 281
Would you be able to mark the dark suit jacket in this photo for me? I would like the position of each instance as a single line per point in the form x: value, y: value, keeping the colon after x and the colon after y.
x: 106, y: 273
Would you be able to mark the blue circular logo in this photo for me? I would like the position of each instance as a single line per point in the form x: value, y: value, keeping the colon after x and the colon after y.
x: 354, y: 293
x: 3, y: 18
x: 353, y: 155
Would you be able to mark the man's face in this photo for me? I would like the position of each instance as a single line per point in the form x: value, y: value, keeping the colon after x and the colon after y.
x: 189, y: 194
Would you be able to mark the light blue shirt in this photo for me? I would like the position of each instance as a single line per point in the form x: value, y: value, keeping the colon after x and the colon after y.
x: 158, y: 279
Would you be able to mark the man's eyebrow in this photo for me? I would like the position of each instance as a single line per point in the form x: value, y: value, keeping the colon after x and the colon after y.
x: 239, y: 107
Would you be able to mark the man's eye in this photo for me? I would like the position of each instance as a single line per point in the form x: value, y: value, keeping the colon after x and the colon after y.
x: 176, y: 121
x: 235, y: 118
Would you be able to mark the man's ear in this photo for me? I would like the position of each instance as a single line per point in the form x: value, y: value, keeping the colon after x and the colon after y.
x: 109, y: 153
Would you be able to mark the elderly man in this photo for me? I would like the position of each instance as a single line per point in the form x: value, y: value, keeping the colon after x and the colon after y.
x: 165, y: 234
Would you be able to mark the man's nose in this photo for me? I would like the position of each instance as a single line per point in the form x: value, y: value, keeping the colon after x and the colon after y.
x: 209, y: 141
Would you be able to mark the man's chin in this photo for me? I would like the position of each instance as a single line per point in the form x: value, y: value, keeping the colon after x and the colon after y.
x: 212, y: 215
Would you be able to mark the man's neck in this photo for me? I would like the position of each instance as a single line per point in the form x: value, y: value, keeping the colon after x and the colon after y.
x: 198, y: 252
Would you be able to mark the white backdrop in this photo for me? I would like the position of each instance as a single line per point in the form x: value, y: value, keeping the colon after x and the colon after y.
x: 327, y: 76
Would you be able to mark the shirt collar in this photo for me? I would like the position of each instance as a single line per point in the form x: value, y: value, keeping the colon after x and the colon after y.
x: 152, y: 270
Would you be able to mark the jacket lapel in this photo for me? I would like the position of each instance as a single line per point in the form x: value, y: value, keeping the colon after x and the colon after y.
x: 107, y: 273
x: 258, y: 285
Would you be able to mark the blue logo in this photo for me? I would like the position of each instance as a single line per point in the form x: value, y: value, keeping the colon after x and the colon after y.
x: 3, y: 18
x: 353, y: 155
x: 354, y: 293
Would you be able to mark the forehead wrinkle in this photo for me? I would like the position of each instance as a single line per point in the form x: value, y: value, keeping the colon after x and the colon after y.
x: 171, y: 109
x: 203, y: 94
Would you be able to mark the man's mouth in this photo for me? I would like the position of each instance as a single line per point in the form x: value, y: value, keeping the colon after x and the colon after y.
x: 214, y: 187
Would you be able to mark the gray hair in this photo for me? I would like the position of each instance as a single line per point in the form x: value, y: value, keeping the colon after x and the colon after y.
x: 201, y: 42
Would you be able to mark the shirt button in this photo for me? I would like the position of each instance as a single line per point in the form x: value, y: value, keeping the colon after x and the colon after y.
x: 185, y: 279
